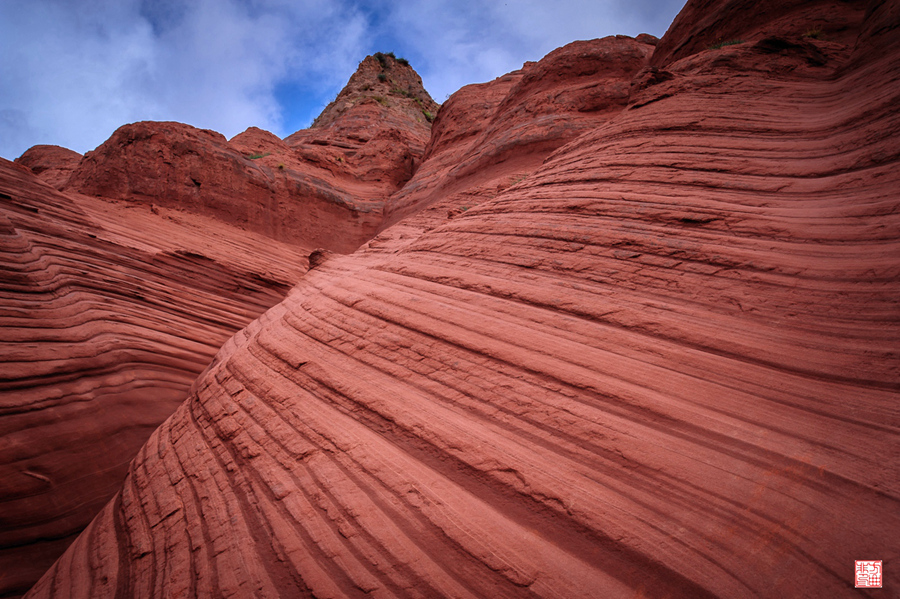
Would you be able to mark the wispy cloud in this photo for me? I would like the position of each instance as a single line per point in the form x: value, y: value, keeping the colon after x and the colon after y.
x: 74, y: 71
x: 462, y: 42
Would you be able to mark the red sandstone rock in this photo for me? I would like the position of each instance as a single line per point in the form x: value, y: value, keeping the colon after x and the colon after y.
x: 178, y: 166
x: 190, y: 198
x: 325, y: 186
x: 703, y: 24
x: 109, y: 312
x: 663, y: 364
x: 190, y: 256
x: 52, y: 164
x: 257, y: 142
x: 374, y: 133
x: 385, y: 80
x: 489, y: 136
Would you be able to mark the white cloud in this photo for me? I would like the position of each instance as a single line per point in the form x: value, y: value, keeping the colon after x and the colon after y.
x: 75, y: 70
x: 460, y: 42
x: 64, y: 68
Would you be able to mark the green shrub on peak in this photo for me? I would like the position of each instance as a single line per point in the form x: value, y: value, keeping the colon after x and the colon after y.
x: 382, y: 57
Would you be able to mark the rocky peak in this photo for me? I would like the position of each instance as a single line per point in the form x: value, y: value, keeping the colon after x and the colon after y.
x: 386, y: 80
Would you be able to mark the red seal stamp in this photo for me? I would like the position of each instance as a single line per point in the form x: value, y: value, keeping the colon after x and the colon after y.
x: 868, y: 574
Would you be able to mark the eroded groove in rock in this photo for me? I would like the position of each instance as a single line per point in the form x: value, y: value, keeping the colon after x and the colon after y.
x: 663, y: 364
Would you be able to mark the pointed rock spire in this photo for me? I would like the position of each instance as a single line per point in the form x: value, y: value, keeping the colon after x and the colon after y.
x: 386, y: 80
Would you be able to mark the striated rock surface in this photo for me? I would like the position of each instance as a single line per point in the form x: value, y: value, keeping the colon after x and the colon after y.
x: 109, y: 311
x: 663, y: 364
x: 490, y: 136
x: 113, y: 302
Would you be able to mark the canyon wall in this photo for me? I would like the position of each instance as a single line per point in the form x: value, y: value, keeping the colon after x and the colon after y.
x: 325, y: 186
x: 123, y: 271
x: 655, y: 356
x: 109, y: 312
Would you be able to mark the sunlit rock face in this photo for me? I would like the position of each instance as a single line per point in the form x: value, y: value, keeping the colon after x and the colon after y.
x: 662, y: 363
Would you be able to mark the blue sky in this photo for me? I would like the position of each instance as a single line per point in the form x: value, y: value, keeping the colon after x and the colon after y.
x: 72, y: 71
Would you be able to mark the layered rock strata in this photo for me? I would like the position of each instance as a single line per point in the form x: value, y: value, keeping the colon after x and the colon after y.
x: 664, y: 364
x: 490, y: 136
x: 109, y: 312
x: 116, y: 298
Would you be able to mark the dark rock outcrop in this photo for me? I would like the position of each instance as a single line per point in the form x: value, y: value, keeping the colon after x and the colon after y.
x: 707, y: 24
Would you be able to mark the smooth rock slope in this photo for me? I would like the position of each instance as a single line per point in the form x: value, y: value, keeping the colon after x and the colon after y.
x: 663, y: 364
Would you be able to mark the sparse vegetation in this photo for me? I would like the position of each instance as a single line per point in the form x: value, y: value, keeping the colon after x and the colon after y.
x: 718, y: 45
x: 257, y: 156
x: 382, y: 77
x: 429, y: 116
x: 381, y: 100
x: 382, y: 58
x: 815, y: 34
x: 402, y: 92
x: 281, y: 166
